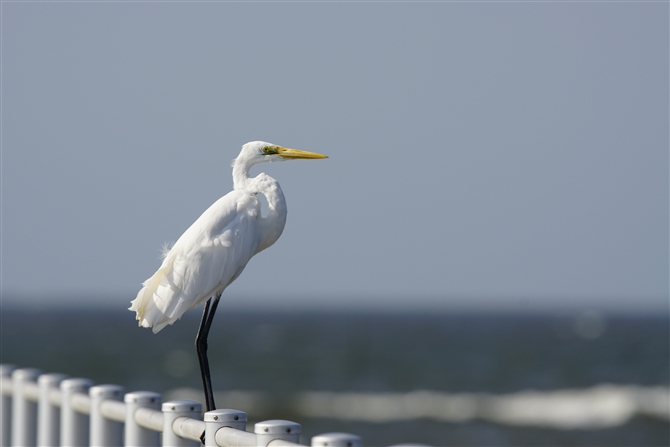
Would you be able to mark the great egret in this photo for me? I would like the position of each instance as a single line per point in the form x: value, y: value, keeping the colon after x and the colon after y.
x: 213, y: 251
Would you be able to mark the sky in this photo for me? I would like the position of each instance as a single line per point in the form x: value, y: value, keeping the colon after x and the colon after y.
x: 489, y: 155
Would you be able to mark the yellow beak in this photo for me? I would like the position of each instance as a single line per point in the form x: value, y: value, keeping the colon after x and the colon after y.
x: 295, y: 153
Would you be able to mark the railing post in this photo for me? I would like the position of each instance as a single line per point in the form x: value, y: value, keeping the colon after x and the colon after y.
x: 5, y: 405
x: 73, y: 425
x: 337, y: 440
x: 216, y: 419
x: 24, y: 412
x: 48, y: 416
x: 175, y: 409
x: 135, y: 435
x: 104, y: 432
x: 268, y: 431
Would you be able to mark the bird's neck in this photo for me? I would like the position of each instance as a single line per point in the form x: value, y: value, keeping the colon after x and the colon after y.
x: 241, y: 174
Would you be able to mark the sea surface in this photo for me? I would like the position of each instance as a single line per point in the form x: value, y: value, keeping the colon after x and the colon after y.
x: 582, y: 379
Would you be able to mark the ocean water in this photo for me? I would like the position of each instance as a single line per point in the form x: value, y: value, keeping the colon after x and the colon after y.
x: 453, y: 379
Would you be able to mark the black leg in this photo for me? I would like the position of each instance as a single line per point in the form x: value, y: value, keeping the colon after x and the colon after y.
x: 201, y: 349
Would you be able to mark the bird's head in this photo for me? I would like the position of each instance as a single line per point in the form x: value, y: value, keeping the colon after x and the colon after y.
x: 261, y: 151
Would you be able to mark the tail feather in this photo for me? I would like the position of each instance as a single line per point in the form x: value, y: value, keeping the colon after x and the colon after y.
x: 150, y: 306
x: 180, y: 284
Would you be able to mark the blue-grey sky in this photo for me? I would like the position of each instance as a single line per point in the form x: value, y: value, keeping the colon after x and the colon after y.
x: 487, y: 154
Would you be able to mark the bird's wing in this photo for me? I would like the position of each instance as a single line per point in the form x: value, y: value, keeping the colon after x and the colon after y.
x: 203, y: 261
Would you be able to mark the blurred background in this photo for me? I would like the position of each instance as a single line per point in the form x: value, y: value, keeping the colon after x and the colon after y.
x: 483, y: 259
x: 470, y: 379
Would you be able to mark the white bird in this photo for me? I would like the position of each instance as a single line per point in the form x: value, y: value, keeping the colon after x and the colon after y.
x: 214, y: 250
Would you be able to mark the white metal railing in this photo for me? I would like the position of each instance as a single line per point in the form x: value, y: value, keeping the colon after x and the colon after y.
x: 48, y: 410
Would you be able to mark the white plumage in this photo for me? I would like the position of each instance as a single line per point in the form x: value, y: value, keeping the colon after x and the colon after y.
x: 214, y: 250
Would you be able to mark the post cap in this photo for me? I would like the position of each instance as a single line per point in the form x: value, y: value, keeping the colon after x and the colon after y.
x: 108, y: 391
x: 76, y: 384
x: 337, y: 440
x: 277, y: 427
x: 6, y: 369
x: 26, y: 374
x: 51, y: 379
x: 142, y: 397
x: 181, y: 406
x: 225, y: 415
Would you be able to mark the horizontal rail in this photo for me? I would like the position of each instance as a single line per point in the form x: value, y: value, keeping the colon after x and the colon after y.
x: 81, y: 403
x: 82, y: 413
x: 6, y: 387
x: 31, y: 391
x: 230, y: 437
x: 55, y: 397
x: 148, y: 418
x: 113, y: 410
x: 188, y: 428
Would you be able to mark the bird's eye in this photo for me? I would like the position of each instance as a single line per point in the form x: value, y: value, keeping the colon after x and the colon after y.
x: 270, y: 150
